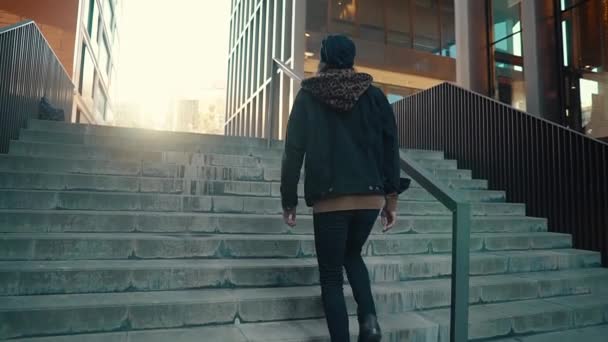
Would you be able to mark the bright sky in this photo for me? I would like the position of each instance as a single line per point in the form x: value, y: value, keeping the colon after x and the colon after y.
x: 172, y: 49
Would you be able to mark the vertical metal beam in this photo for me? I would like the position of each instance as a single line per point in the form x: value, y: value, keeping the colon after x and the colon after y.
x: 276, y: 52
x: 541, y: 59
x: 284, y: 45
x: 472, y: 59
x: 271, y: 107
x: 298, y: 40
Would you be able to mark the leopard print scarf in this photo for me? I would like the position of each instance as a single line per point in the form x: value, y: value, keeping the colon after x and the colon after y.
x: 339, y: 88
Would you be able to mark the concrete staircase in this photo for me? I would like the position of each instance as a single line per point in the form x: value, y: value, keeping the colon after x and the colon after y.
x: 115, y: 234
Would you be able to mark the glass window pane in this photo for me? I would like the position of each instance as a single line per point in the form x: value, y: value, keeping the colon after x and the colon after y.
x: 589, y: 91
x: 510, y: 85
x: 594, y: 101
x: 398, y: 23
x: 100, y: 101
x: 114, y: 31
x: 512, y: 45
x: 104, y: 56
x: 506, y: 16
x: 108, y: 12
x: 392, y: 98
x: 316, y: 15
x: 371, y: 20
x: 426, y: 25
x: 566, y: 25
x: 448, y: 36
x: 94, y: 21
x: 401, y: 91
x: 86, y: 13
x: 565, y: 4
x: 87, y: 74
x: 343, y: 14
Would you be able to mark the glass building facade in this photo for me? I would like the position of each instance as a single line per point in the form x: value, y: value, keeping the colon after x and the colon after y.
x: 584, y: 62
x: 407, y: 45
x: 386, y: 31
x: 546, y: 57
x: 507, y: 51
x: 96, y: 61
x: 260, y: 30
x: 577, y: 55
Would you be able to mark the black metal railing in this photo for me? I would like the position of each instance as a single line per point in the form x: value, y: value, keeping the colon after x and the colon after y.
x: 558, y: 173
x: 29, y: 70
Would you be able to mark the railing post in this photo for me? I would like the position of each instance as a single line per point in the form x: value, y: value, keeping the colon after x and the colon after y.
x: 271, y: 105
x: 459, y: 310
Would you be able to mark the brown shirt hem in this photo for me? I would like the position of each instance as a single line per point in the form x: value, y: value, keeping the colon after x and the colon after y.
x: 355, y: 202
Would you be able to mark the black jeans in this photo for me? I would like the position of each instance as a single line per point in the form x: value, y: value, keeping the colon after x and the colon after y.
x: 339, y: 237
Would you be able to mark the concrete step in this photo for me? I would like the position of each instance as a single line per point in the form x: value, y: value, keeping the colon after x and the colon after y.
x: 410, y: 326
x: 595, y: 333
x: 206, y: 155
x: 157, y: 310
x: 108, y: 246
x: 460, y: 184
x: 524, y: 318
x: 15, y: 163
x: 218, y: 151
x: 40, y: 131
x: 222, y: 333
x: 100, y: 276
x: 78, y: 182
x: 447, y: 173
x: 134, y: 184
x: 10, y: 163
x: 38, y: 221
x: 445, y: 168
x: 121, y: 152
x: 144, y: 198
x: 104, y: 201
x: 397, y: 328
x: 202, y: 155
x: 21, y: 180
x: 93, y: 134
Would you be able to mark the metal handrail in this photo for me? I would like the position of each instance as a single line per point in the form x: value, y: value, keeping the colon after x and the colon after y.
x: 461, y: 223
x: 277, y: 65
x: 559, y: 173
x: 288, y: 71
x: 526, y: 114
x: 15, y: 26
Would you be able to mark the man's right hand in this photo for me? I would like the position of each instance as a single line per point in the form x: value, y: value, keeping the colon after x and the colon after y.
x: 389, y: 218
x: 289, y: 217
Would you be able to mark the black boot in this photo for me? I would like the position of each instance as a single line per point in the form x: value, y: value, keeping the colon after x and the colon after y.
x: 369, y: 329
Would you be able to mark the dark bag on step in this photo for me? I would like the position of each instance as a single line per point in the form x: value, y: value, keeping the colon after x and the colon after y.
x: 46, y: 111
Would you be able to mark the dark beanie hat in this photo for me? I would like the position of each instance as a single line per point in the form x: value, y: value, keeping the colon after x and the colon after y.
x: 338, y: 51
